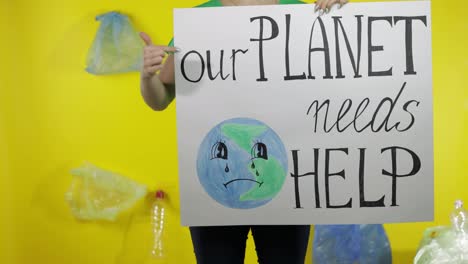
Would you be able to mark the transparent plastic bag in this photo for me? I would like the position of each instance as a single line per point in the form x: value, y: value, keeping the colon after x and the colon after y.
x: 117, y: 47
x: 446, y: 244
x: 364, y: 244
x: 97, y: 194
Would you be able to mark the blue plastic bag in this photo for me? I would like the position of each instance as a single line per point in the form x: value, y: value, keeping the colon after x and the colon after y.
x: 350, y: 244
x: 117, y: 47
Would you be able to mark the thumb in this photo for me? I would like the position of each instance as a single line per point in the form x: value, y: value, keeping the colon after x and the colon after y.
x: 146, y: 38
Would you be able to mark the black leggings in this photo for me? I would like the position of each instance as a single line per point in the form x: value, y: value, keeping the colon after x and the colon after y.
x: 226, y: 244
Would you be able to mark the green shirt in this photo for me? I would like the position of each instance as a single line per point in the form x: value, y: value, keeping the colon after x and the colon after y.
x: 217, y: 3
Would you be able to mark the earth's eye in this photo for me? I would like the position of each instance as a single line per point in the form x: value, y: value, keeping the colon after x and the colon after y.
x: 259, y: 150
x: 219, y: 151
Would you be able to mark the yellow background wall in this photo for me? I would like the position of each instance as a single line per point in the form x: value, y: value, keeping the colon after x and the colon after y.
x: 53, y: 116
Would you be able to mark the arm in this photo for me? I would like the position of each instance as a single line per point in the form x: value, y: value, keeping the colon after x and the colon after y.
x: 157, y: 90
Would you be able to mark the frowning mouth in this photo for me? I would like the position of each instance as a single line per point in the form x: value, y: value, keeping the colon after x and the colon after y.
x: 241, y: 179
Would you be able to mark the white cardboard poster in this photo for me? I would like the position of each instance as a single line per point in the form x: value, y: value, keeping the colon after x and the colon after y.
x: 287, y: 117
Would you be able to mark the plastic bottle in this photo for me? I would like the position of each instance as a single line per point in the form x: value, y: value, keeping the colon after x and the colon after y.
x: 157, y: 225
x: 459, y: 218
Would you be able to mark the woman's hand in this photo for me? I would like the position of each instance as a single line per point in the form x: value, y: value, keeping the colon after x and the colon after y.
x: 325, y: 5
x: 157, y: 89
x: 153, y: 56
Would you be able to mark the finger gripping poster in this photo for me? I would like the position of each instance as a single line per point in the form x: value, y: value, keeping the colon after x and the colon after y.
x: 288, y: 117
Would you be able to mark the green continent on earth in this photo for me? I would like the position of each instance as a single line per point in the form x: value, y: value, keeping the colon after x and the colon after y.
x: 243, y: 134
x: 269, y: 173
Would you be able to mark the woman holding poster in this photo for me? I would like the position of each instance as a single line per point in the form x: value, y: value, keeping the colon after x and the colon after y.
x: 225, y: 244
